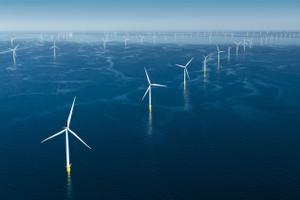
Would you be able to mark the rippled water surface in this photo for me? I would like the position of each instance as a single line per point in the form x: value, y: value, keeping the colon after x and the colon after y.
x: 234, y: 134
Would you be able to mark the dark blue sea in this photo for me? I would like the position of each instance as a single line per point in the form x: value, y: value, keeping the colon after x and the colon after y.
x: 232, y: 135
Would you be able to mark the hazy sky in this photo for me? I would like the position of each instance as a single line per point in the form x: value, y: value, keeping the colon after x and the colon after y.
x: 181, y: 15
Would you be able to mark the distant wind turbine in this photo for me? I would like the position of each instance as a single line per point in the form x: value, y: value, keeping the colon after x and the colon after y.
x: 104, y: 41
x: 185, y: 71
x: 12, y: 41
x: 125, y: 42
x: 67, y: 130
x: 148, y: 91
x: 154, y: 38
x: 54, y: 47
x: 219, y: 52
x: 237, y: 44
x: 244, y: 45
x: 205, y: 66
x: 141, y: 39
x: 229, y: 53
x: 14, y: 54
x: 41, y: 38
x: 175, y: 37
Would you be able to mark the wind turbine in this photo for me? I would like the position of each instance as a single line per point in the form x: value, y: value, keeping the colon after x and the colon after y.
x: 141, y: 39
x: 148, y: 91
x: 175, y: 37
x: 154, y: 38
x: 54, y: 47
x: 67, y: 130
x: 12, y: 41
x: 250, y: 42
x: 228, y: 53
x: 104, y: 41
x: 14, y: 54
x: 125, y: 42
x: 185, y: 71
x: 41, y: 38
x: 219, y: 52
x: 205, y: 65
x: 244, y: 45
x: 237, y: 48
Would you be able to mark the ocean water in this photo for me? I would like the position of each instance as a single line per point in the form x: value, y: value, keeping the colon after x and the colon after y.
x: 232, y: 135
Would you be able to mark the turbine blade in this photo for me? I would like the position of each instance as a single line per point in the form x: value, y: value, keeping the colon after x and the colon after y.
x: 187, y: 73
x: 3, y: 52
x: 56, y: 134
x: 146, y: 92
x: 189, y: 62
x: 158, y: 85
x: 71, y: 112
x: 72, y: 132
x: 148, y: 79
x: 180, y: 66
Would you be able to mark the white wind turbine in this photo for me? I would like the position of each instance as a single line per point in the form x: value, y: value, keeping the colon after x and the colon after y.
x: 54, y: 47
x: 148, y: 91
x: 250, y: 42
x: 41, y: 38
x: 12, y: 41
x: 141, y: 39
x: 154, y: 38
x: 205, y: 65
x: 104, y: 41
x: 237, y: 44
x: 244, y: 45
x: 67, y: 130
x: 219, y: 52
x: 229, y: 53
x: 185, y: 71
x: 14, y: 54
x: 125, y: 42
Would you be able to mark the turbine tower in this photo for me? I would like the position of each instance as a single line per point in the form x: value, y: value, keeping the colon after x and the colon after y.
x: 237, y: 44
x: 219, y: 52
x: 14, y: 54
x: 104, y: 41
x: 244, y: 45
x: 205, y: 66
x: 125, y: 42
x: 229, y: 53
x: 12, y: 41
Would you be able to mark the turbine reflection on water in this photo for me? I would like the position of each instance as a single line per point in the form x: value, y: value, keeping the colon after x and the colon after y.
x: 69, y: 192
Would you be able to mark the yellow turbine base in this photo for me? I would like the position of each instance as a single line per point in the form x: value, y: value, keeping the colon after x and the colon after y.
x: 69, y: 170
x: 150, y: 108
